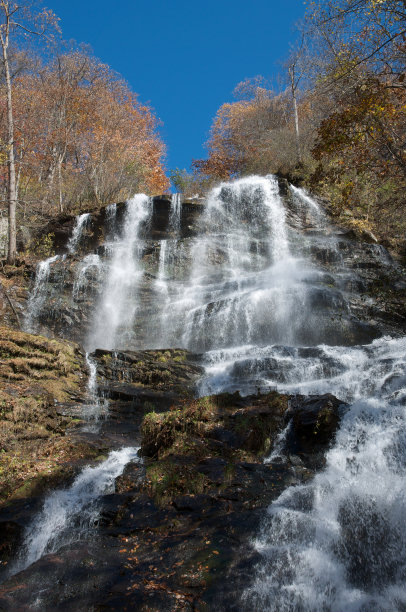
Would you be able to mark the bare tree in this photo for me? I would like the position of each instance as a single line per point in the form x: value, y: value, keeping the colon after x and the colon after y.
x: 295, y: 69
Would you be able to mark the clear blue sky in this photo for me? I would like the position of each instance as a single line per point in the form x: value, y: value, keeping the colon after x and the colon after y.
x: 184, y: 57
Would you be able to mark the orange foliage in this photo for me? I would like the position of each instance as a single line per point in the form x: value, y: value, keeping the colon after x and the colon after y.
x: 82, y: 137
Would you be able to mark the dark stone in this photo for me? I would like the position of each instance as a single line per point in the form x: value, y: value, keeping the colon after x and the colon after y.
x: 315, y: 420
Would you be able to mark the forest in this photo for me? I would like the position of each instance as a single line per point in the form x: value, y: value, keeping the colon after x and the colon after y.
x: 73, y: 134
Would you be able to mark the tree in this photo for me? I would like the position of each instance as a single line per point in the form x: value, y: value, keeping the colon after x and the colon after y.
x: 17, y: 19
x: 82, y: 138
x: 295, y: 67
x: 256, y: 133
x: 366, y: 34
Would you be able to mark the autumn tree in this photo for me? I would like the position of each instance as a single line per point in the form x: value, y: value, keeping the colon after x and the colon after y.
x: 359, y: 89
x: 341, y: 115
x: 257, y: 133
x: 17, y: 19
x: 82, y: 138
x: 366, y: 33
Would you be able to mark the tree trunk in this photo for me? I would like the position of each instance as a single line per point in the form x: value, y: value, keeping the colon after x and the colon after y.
x: 295, y: 113
x: 60, y: 160
x: 299, y: 154
x: 12, y: 189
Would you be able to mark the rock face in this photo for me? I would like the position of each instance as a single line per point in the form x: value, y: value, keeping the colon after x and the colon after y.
x: 158, y: 377
x: 97, y: 228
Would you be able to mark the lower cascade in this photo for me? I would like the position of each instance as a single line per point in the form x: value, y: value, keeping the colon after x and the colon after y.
x: 338, y: 543
x: 68, y: 514
x: 266, y: 294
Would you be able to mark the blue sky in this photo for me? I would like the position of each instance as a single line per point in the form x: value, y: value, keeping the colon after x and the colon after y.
x: 184, y: 57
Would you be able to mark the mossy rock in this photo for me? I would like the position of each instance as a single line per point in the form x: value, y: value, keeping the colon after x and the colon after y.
x: 223, y: 428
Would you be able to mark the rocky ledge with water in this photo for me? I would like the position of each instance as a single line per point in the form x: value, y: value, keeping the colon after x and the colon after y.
x: 358, y: 282
x: 210, y: 467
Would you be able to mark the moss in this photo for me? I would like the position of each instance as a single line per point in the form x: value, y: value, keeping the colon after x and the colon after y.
x: 160, y: 431
x: 22, y: 476
x: 149, y: 407
x: 179, y: 439
x: 162, y: 434
x: 166, y: 480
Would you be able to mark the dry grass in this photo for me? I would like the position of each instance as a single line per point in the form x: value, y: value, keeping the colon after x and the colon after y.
x: 35, y: 372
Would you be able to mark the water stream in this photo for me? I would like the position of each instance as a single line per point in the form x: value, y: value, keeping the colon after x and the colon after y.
x: 118, y: 305
x: 70, y: 514
x: 38, y: 295
x: 80, y: 225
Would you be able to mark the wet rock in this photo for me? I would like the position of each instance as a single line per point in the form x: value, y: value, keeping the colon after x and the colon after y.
x: 156, y: 377
x: 315, y: 420
x: 179, y: 526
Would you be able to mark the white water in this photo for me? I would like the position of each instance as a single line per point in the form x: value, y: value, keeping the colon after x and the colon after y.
x: 80, y: 225
x: 339, y: 543
x: 41, y: 292
x: 38, y: 294
x: 240, y: 271
x: 90, y: 266
x: 97, y: 408
x: 68, y: 515
x: 118, y: 305
x: 175, y: 214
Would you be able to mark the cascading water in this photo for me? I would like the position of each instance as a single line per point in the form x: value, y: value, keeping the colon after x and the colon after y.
x: 44, y: 291
x: 97, y: 407
x: 338, y: 543
x: 90, y: 268
x: 118, y: 305
x: 249, y: 281
x: 69, y: 514
x: 39, y: 294
x: 263, y: 291
x: 81, y: 222
x: 175, y: 215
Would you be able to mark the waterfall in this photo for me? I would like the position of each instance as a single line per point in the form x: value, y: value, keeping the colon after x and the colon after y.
x: 97, y: 408
x: 118, y: 305
x: 81, y: 222
x: 175, y: 215
x: 264, y: 289
x: 162, y: 261
x: 245, y: 286
x: 89, y: 266
x: 38, y: 294
x: 69, y: 515
x: 41, y: 292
